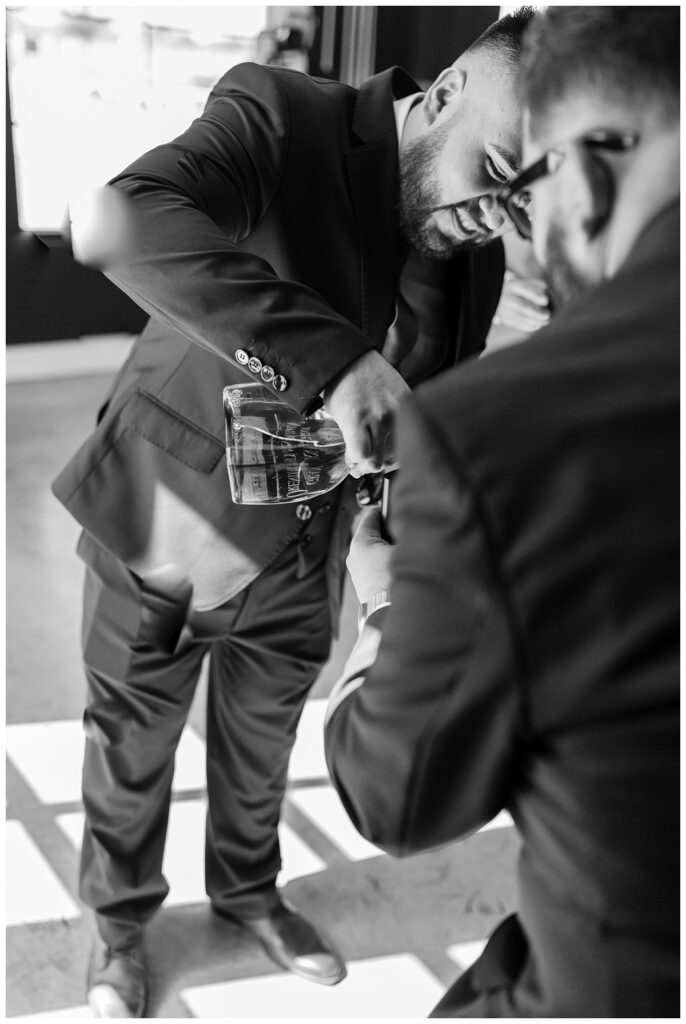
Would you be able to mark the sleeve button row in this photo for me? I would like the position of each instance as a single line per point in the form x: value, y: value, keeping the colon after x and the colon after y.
x: 267, y: 374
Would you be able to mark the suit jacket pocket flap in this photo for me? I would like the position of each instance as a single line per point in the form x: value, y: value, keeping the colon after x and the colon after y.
x: 185, y: 441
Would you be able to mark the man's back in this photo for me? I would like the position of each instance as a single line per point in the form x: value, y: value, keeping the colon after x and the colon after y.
x: 529, y: 659
x: 577, y: 478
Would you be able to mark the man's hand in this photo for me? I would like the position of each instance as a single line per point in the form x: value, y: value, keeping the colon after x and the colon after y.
x: 369, y: 559
x: 524, y: 303
x: 363, y: 399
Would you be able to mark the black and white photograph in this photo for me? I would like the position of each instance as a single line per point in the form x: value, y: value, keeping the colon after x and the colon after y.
x: 342, y: 480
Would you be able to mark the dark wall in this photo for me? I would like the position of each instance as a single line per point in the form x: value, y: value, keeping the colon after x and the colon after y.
x: 424, y: 40
x: 48, y: 295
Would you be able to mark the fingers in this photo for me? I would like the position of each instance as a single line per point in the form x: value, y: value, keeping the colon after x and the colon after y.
x: 382, y: 444
x: 524, y: 305
x: 369, y: 527
x: 531, y: 288
x: 526, y: 320
x: 531, y: 298
x: 375, y: 453
x: 369, y: 557
x: 358, y: 447
x: 363, y: 402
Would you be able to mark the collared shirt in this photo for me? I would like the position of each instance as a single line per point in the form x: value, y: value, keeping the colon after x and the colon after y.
x: 417, y: 339
x: 401, y: 108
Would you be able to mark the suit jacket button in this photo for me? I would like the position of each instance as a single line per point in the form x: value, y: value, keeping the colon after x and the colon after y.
x: 267, y: 374
x: 255, y: 364
x: 280, y: 383
x: 241, y: 356
x: 303, y: 512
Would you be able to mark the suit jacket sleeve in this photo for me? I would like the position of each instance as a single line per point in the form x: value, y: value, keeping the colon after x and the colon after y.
x: 194, y: 200
x: 421, y: 743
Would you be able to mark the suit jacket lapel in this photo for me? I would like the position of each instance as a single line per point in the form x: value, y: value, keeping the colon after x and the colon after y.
x: 373, y: 180
x: 372, y: 176
x: 474, y: 284
x: 475, y: 277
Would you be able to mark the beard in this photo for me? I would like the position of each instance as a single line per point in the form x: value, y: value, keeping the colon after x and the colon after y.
x: 420, y: 197
x: 565, y: 281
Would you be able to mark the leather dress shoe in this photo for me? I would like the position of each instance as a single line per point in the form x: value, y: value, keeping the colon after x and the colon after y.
x: 294, y: 944
x: 117, y: 980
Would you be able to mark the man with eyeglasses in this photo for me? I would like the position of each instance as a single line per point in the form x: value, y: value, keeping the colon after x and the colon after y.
x: 523, y: 653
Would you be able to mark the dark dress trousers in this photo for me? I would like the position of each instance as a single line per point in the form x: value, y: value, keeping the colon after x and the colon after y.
x: 530, y: 656
x: 268, y: 251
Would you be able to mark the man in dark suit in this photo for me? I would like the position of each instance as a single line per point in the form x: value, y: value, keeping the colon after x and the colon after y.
x: 265, y: 242
x: 525, y: 654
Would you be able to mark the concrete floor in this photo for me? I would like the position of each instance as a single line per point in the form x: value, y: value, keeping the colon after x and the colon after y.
x: 407, y: 927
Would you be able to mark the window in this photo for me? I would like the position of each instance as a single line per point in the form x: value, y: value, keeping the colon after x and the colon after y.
x: 92, y: 88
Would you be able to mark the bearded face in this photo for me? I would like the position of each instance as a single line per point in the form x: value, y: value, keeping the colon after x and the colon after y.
x: 435, y: 229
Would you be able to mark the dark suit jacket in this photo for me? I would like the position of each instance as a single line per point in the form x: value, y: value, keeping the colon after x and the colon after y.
x: 268, y: 226
x: 530, y: 657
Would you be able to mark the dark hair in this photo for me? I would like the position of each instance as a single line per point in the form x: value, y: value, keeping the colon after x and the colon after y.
x: 504, y: 37
x: 628, y: 54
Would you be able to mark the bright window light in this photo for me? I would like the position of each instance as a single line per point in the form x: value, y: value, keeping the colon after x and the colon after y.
x: 92, y: 88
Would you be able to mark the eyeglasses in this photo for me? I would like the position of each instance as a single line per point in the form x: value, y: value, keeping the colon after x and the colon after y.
x: 515, y: 197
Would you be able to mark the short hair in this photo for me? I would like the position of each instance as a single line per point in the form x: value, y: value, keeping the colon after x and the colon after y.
x: 503, y: 39
x: 627, y: 54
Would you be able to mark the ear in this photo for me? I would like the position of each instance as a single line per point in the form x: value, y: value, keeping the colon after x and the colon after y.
x: 593, y: 186
x: 443, y: 90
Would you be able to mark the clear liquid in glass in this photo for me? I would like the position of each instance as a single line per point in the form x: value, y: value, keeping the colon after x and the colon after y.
x: 274, y: 455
